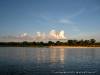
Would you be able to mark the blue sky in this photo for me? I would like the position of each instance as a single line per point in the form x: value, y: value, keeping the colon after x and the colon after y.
x: 79, y: 19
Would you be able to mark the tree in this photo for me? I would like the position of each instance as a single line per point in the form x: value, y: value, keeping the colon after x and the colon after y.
x: 58, y: 43
x: 86, y: 42
x: 49, y: 43
x: 74, y: 42
x: 33, y: 43
x: 92, y: 41
x: 70, y: 42
x: 81, y: 42
x: 41, y: 43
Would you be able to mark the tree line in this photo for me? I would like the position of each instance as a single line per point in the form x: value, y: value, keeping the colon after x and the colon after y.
x: 89, y: 43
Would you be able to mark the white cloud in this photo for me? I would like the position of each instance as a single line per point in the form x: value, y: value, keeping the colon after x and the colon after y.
x: 55, y: 35
x: 24, y: 36
x: 66, y: 21
x: 43, y: 36
x: 62, y: 35
x: 52, y: 35
x: 39, y: 34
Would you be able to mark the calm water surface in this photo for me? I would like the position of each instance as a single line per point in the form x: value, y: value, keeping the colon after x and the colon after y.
x: 49, y: 61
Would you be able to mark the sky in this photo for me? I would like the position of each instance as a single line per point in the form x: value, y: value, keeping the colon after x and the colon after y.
x: 45, y: 20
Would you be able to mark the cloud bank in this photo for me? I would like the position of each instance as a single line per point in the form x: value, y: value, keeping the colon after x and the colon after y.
x: 53, y: 35
x: 24, y: 36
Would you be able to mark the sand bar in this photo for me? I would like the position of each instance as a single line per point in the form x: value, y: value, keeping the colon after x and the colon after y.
x: 71, y: 47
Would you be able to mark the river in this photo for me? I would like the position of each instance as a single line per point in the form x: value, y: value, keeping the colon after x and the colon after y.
x: 49, y: 61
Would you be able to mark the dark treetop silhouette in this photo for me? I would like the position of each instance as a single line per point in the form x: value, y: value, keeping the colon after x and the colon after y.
x: 87, y: 43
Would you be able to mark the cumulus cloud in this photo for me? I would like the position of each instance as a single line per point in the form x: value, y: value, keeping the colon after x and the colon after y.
x: 43, y: 36
x: 24, y: 36
x: 40, y: 36
x: 56, y: 35
x: 52, y: 35
x: 62, y: 35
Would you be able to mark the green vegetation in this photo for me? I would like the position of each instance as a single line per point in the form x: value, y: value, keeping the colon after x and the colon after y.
x: 87, y: 43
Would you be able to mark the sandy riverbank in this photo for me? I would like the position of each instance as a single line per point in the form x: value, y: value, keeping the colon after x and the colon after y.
x: 71, y: 47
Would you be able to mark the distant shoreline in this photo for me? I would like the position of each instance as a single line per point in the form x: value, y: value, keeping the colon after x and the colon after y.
x: 55, y: 46
x: 71, y: 47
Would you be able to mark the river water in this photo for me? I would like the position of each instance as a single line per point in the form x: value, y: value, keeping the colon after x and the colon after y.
x: 49, y: 61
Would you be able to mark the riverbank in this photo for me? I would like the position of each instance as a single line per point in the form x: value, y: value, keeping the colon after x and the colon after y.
x: 54, y: 46
x: 71, y: 47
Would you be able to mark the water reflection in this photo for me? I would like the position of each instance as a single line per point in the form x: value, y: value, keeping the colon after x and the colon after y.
x: 31, y: 61
x: 62, y: 56
x: 38, y: 55
x: 53, y: 55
